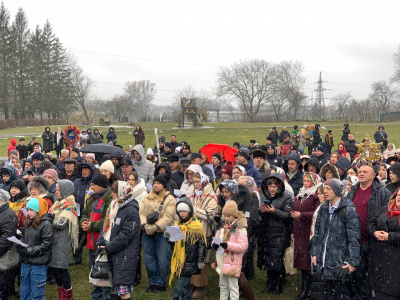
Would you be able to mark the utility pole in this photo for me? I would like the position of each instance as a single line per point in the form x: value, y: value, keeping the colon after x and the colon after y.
x: 319, y: 100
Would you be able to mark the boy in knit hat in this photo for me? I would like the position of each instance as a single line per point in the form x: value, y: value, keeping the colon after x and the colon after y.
x: 234, y: 243
x: 188, y: 254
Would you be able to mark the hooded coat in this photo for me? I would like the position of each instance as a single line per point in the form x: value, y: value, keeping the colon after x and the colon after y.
x: 13, y: 176
x: 82, y: 184
x: 329, y: 167
x: 314, y: 162
x: 346, y: 131
x: 252, y: 171
x: 13, y: 142
x: 140, y: 191
x: 316, y: 136
x: 96, y: 137
x: 8, y: 227
x: 274, y: 159
x: 111, y: 135
x: 351, y: 148
x: 171, y: 185
x: 344, y: 164
x: 124, y: 244
x: 275, y: 238
x: 47, y: 137
x: 393, y: 186
x: 187, y: 187
x: 296, y: 182
x: 143, y: 167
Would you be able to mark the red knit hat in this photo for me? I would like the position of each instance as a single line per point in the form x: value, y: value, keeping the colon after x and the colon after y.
x: 227, y: 169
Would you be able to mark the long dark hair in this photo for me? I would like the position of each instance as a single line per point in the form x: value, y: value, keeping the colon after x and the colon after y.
x: 32, y: 222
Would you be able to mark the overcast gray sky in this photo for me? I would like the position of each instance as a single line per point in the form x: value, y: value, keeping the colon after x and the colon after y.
x: 180, y: 43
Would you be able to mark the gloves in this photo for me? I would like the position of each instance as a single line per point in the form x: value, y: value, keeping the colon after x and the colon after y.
x: 224, y: 245
x: 201, y: 265
x: 215, y: 246
x: 167, y: 235
x: 341, y: 273
x: 151, y: 228
x: 21, y: 250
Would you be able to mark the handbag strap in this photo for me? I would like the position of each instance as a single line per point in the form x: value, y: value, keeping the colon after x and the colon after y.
x: 162, y: 203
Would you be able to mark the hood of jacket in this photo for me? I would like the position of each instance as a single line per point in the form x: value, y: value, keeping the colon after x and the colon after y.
x: 194, y: 169
x: 109, y: 129
x: 329, y: 167
x: 281, y: 189
x: 343, y: 163
x: 139, y: 149
x: 86, y: 165
x: 188, y: 202
x: 293, y: 156
x: 312, y: 161
x: 139, y: 188
x: 167, y: 168
x: 13, y: 142
x: 10, y: 170
x: 250, y: 164
x: 47, y: 217
x: 115, y: 154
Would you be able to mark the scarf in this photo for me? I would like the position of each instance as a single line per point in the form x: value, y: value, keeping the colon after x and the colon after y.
x: 193, y: 231
x: 58, y: 137
x: 66, y: 208
x: 251, y: 184
x: 392, y: 208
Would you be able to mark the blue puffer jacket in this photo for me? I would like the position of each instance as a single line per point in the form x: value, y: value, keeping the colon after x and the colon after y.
x: 253, y: 172
x: 13, y: 176
x: 296, y: 182
x: 82, y: 184
x: 343, y: 240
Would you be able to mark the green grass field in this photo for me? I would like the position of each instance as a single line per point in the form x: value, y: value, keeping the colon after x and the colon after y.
x: 225, y: 133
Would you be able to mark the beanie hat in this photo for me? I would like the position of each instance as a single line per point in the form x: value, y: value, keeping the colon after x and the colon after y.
x: 76, y: 150
x: 162, y: 178
x: 336, y: 185
x: 395, y: 168
x: 51, y: 173
x: 178, y: 149
x: 236, y: 144
x: 167, y: 144
x: 45, y: 165
x: 149, y: 152
x: 38, y: 156
x: 252, y: 141
x: 33, y: 204
x: 92, y: 155
x: 4, y: 195
x: 15, y: 152
x: 227, y: 169
x: 185, y: 146
x: 320, y: 148
x: 100, y: 180
x: 107, y: 166
x: 66, y: 187
x: 270, y: 146
x: 217, y: 155
x: 245, y: 153
x: 230, y: 209
x: 183, y: 206
x: 19, y: 184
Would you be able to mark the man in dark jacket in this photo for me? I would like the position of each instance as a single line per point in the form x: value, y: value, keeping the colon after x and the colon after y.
x: 176, y: 173
x: 246, y: 161
x: 346, y: 131
x: 126, y: 168
x: 380, y: 136
x: 336, y: 253
x: 197, y: 159
x: 316, y: 136
x: 75, y: 155
x: 369, y: 195
x: 69, y: 171
x: 274, y: 137
x: 322, y: 159
x: 283, y: 133
x: 116, y: 158
x: 272, y: 157
x: 294, y: 172
x: 261, y: 164
x: 174, y: 143
x: 8, y: 228
x: 351, y: 146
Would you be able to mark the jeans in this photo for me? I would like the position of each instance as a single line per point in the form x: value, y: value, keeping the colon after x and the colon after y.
x: 157, y: 258
x: 182, y: 289
x: 303, y: 146
x: 98, y: 293
x: 33, y: 281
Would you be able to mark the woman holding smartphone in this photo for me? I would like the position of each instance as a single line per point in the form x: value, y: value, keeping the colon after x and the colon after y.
x: 276, y: 222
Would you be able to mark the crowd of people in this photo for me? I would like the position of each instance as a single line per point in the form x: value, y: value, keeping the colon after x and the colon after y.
x: 339, y: 208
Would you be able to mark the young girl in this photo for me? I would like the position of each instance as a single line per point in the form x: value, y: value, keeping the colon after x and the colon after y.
x: 18, y: 194
x: 65, y: 235
x: 188, y: 255
x: 234, y: 243
x: 37, y: 233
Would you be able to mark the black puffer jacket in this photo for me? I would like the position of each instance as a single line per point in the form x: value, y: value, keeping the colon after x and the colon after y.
x: 346, y: 131
x: 274, y: 159
x: 351, y: 148
x: 8, y: 227
x: 275, y: 238
x: 314, y: 162
x: 296, y: 182
x: 39, y: 242
x: 124, y: 245
x: 316, y: 136
x: 171, y: 185
x: 194, y: 253
x: 379, y: 198
x: 82, y: 184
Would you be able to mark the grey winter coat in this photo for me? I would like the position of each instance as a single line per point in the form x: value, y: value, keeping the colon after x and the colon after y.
x: 343, y: 240
x: 143, y: 167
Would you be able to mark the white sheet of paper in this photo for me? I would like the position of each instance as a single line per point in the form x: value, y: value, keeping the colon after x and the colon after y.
x: 24, y: 211
x: 217, y: 240
x: 78, y: 209
x: 177, y: 193
x: 17, y: 241
x: 175, y: 233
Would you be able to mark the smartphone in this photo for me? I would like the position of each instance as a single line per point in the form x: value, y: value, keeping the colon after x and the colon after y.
x: 267, y: 202
x: 29, y: 172
x: 289, y: 207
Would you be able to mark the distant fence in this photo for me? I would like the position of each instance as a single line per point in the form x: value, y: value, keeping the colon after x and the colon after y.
x: 392, y: 116
x: 12, y: 123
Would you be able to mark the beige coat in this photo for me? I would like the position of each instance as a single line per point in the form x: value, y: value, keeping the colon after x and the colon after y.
x: 151, y: 204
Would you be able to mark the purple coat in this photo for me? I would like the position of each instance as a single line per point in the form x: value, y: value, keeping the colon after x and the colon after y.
x: 302, y: 229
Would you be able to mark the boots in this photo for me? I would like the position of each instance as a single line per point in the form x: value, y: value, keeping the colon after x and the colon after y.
x: 68, y: 294
x: 277, y: 287
x: 270, y: 283
x: 244, y: 285
x: 305, y: 285
x: 61, y: 293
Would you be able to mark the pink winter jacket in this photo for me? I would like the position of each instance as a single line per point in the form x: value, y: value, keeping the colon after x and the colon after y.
x: 230, y: 261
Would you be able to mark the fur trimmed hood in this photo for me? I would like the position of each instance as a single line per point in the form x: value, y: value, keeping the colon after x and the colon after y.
x: 331, y: 168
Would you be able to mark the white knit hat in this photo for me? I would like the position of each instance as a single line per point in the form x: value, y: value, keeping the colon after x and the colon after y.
x: 107, y: 166
x: 182, y: 206
x: 149, y: 151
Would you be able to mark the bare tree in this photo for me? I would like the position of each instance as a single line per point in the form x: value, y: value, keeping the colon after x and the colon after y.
x: 341, y: 101
x: 140, y: 94
x: 383, y: 95
x: 248, y: 82
x: 396, y: 59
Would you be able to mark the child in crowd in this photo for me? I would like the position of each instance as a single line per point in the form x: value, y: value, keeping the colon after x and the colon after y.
x: 37, y: 233
x: 22, y: 149
x: 188, y: 254
x: 234, y: 242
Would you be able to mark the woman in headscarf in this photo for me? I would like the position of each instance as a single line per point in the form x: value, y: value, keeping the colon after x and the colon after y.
x: 304, y: 206
x: 342, y: 150
x: 237, y: 172
x: 385, y: 254
x: 390, y: 151
x: 139, y: 136
x: 187, y: 185
x: 66, y: 231
x: 205, y: 208
x: 120, y: 239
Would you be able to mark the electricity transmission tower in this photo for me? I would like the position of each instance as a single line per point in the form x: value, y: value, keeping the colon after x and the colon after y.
x: 319, y: 100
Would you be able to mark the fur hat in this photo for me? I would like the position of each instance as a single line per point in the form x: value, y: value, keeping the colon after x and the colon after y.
x: 51, y: 173
x: 100, y: 180
x: 259, y: 153
x: 107, y: 166
x: 92, y: 155
x: 230, y: 209
x: 39, y: 183
x: 38, y: 156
